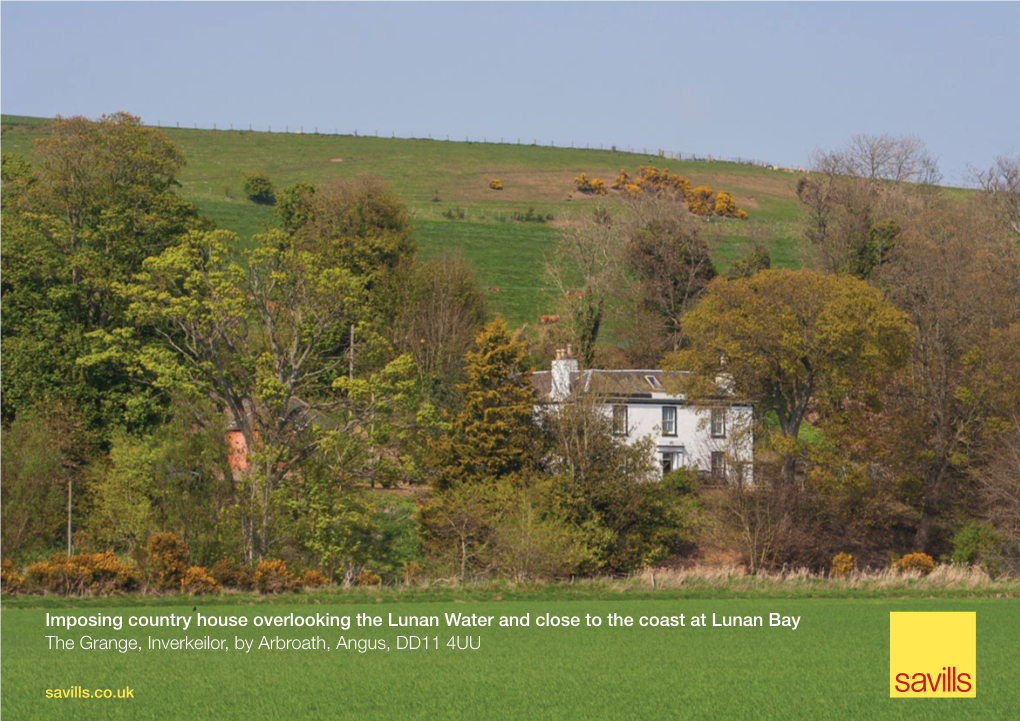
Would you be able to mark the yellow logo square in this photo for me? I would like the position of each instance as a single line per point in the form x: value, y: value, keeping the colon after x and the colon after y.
x: 933, y: 655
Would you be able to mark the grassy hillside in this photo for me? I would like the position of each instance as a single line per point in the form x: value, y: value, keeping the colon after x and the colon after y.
x: 435, y: 177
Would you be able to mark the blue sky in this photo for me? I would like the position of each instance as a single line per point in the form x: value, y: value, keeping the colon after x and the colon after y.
x: 761, y: 80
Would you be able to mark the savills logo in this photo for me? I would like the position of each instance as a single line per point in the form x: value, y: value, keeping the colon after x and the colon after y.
x: 932, y: 655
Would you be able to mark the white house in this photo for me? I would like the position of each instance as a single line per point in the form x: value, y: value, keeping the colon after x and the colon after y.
x: 714, y: 438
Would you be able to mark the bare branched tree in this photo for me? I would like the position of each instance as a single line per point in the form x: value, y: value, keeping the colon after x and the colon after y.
x: 860, y: 194
x: 1000, y: 485
x: 1001, y: 185
x: 881, y: 158
x: 440, y: 310
x: 584, y: 269
x: 669, y: 264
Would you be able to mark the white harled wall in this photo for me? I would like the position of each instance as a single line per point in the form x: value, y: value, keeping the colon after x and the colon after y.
x: 694, y: 432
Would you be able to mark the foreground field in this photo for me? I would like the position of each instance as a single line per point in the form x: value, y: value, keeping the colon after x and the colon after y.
x: 834, y: 666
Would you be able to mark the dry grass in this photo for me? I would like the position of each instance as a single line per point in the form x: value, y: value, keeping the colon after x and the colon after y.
x: 736, y: 578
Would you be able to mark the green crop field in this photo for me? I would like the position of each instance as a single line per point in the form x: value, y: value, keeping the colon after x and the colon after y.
x: 834, y: 666
x: 437, y: 176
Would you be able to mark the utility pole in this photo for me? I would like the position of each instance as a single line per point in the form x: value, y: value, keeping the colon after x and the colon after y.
x: 69, y: 487
x: 352, y: 352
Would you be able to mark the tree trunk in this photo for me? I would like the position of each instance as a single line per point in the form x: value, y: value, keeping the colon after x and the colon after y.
x: 931, y: 507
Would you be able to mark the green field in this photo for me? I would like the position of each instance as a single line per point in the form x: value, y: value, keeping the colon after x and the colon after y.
x: 508, y: 255
x: 834, y: 666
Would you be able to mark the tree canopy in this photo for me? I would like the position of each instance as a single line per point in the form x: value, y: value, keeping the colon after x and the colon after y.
x: 787, y: 338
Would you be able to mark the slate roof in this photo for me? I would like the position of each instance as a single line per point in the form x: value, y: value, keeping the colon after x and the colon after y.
x: 615, y: 384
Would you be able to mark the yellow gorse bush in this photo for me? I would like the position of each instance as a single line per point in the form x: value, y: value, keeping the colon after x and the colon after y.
x: 168, y: 560
x: 272, y: 577
x: 10, y: 580
x: 915, y: 562
x: 82, y: 574
x: 367, y: 578
x: 198, y: 581
x: 313, y: 579
x: 701, y: 200
x: 592, y: 186
x: 843, y: 565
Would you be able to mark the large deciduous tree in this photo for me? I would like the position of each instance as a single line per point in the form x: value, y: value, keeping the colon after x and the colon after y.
x: 262, y: 335
x: 859, y: 195
x: 439, y: 310
x: 359, y: 224
x: 100, y: 199
x: 785, y: 339
x: 958, y: 282
x: 668, y: 261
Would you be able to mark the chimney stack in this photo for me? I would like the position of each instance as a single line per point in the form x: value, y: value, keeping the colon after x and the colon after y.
x: 563, y: 368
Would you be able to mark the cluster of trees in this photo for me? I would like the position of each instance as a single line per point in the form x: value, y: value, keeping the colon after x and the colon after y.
x: 901, y: 350
x: 882, y: 374
x: 135, y: 333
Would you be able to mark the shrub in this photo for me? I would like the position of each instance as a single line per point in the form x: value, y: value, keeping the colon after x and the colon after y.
x: 725, y: 207
x: 199, y: 582
x: 915, y: 562
x: 525, y: 545
x: 682, y: 480
x: 662, y: 182
x: 258, y: 187
x: 593, y: 186
x: 313, y: 579
x: 367, y: 578
x: 495, y: 184
x: 272, y: 577
x: 700, y: 200
x: 84, y: 573
x: 409, y: 572
x: 10, y: 580
x: 226, y: 573
x: 843, y: 565
x: 978, y: 543
x: 531, y: 216
x: 602, y: 217
x: 168, y: 560
x: 631, y: 190
x: 621, y: 181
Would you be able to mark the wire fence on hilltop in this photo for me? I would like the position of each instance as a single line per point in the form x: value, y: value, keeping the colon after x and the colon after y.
x: 680, y: 156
